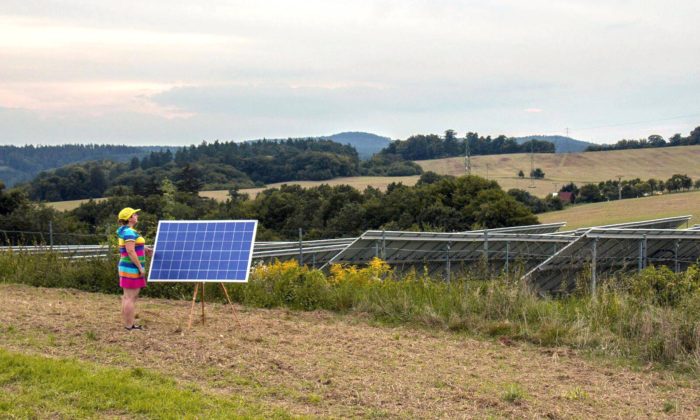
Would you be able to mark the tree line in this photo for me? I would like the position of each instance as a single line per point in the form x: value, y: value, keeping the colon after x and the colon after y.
x: 650, y: 142
x: 621, y: 189
x: 435, y: 203
x: 432, y: 146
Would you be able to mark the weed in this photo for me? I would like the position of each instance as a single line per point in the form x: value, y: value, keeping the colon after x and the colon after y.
x: 670, y: 406
x: 576, y: 394
x: 513, y: 393
x: 91, y: 336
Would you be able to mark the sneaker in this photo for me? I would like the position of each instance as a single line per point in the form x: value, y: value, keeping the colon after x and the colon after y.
x: 134, y: 327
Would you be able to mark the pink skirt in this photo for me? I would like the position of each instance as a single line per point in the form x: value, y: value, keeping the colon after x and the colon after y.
x: 127, y: 283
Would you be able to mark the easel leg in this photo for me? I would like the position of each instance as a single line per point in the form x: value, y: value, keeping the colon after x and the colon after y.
x: 202, y: 303
x: 233, y: 308
x: 194, y: 298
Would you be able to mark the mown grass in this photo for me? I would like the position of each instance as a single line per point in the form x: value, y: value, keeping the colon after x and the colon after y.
x: 40, y: 387
x: 652, y: 316
x: 630, y: 210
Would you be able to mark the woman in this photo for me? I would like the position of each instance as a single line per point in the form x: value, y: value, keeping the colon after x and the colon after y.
x: 132, y: 269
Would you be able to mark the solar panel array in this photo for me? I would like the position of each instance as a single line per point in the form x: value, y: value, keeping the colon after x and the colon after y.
x: 319, y: 252
x: 443, y: 253
x: 203, y: 251
x: 222, y: 250
x: 604, y: 252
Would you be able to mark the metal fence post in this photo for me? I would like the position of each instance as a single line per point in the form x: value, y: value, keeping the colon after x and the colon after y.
x: 383, y: 245
x: 646, y: 251
x: 448, y: 269
x: 675, y: 255
x: 301, y: 252
x: 50, y: 235
x: 594, y: 274
x: 640, y: 258
x: 486, y: 245
x: 507, y: 256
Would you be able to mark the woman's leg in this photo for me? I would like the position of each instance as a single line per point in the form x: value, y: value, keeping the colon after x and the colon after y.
x: 129, y: 306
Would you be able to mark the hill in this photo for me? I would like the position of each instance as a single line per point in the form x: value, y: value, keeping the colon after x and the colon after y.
x: 580, y: 168
x: 366, y: 144
x: 18, y: 164
x: 562, y: 144
x: 631, y: 210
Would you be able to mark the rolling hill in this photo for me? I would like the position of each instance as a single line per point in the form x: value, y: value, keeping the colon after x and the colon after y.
x: 580, y: 168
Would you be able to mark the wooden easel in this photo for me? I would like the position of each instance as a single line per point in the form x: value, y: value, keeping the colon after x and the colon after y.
x: 194, y: 299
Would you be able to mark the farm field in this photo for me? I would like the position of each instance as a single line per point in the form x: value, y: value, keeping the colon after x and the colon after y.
x: 292, y: 363
x: 70, y: 204
x: 358, y: 182
x: 630, y: 210
x: 580, y: 168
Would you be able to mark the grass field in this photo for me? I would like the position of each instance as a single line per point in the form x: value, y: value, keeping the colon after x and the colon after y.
x: 580, y: 168
x: 630, y: 210
x: 64, y: 354
x: 359, y: 182
x: 71, y: 204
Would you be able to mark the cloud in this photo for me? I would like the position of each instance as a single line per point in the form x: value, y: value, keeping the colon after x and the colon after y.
x: 532, y: 110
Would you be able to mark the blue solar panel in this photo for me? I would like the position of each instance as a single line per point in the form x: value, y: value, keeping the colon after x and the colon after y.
x: 203, y: 251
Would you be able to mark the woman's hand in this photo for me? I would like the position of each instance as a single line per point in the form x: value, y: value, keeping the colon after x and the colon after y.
x: 149, y: 251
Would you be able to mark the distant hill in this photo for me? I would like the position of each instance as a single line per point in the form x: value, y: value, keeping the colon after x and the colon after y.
x: 23, y: 163
x: 366, y: 144
x: 561, y: 143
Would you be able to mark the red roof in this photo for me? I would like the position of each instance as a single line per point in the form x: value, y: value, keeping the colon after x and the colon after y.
x: 565, y: 197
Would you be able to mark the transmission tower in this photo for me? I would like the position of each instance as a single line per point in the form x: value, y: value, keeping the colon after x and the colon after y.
x: 467, y: 157
x: 532, y: 164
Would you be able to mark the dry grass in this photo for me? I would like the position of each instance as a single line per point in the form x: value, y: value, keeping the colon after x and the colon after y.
x: 71, y: 204
x: 630, y: 210
x: 320, y: 364
x: 359, y: 182
x: 580, y: 168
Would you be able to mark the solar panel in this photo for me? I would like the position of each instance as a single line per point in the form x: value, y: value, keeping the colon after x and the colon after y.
x: 203, y: 251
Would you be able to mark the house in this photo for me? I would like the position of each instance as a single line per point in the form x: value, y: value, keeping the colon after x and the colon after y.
x: 565, y: 197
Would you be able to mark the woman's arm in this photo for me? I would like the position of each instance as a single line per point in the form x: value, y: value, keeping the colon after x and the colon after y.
x: 131, y: 252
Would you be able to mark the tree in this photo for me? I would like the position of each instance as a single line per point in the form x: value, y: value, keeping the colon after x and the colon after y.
x: 521, y: 174
x: 678, y: 182
x: 537, y: 173
x: 697, y: 184
x: 189, y: 179
x: 589, y: 193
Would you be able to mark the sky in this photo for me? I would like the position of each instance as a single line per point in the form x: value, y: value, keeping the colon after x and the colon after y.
x: 182, y: 72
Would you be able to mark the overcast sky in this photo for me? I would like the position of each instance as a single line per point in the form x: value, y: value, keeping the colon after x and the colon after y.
x: 177, y: 72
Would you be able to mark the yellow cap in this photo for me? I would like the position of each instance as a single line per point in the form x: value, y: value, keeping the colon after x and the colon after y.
x: 127, y: 212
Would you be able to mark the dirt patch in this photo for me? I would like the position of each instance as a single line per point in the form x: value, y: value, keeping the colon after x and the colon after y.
x: 322, y: 364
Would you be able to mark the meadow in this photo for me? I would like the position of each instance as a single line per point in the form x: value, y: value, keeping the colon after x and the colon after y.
x: 630, y: 210
x: 353, y: 342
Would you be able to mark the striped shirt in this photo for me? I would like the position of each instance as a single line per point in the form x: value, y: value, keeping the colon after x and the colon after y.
x: 128, y: 269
